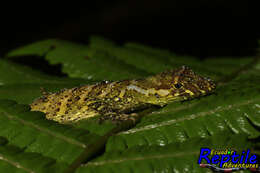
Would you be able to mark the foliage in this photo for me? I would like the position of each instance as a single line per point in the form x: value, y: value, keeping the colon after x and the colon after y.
x: 166, y: 140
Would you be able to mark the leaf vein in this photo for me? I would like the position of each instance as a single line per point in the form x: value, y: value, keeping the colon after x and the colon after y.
x: 44, y: 130
x: 15, y: 164
x: 161, y: 156
x: 192, y: 116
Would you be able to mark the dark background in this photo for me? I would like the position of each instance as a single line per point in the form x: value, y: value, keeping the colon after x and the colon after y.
x: 194, y: 27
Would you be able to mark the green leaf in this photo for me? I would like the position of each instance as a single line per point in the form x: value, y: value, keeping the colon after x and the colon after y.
x: 166, y: 140
x: 103, y: 60
x: 14, y: 159
x: 235, y: 109
x: 80, y: 61
x: 33, y: 137
x: 23, y: 84
x: 174, y: 157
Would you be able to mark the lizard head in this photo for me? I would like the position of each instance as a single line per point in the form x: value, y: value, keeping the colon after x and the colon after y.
x: 179, y: 84
x: 187, y: 83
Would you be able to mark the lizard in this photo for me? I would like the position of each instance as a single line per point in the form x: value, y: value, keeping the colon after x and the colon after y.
x: 118, y: 100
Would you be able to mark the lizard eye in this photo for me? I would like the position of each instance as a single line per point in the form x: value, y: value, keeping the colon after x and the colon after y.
x: 178, y: 85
